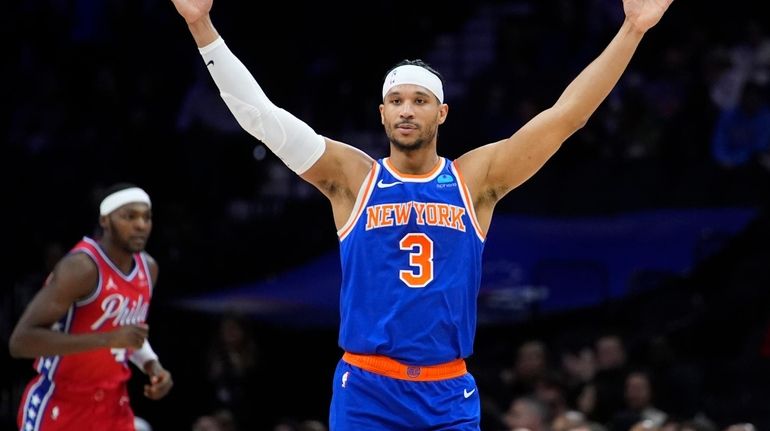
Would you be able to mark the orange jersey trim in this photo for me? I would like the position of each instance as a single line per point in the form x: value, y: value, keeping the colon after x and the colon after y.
x: 388, y: 367
x: 468, y: 202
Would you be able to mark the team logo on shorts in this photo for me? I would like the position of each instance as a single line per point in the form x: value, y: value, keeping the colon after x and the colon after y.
x: 345, y: 378
x: 413, y: 372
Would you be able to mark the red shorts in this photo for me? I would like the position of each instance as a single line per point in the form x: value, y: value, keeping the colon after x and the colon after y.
x: 48, y: 406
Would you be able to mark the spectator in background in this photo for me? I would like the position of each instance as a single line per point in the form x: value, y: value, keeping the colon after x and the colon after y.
x: 232, y: 369
x: 551, y: 390
x: 585, y: 400
x: 528, y: 368
x: 220, y: 420
x: 639, y: 404
x: 742, y: 133
x: 579, y: 367
x: 746, y: 61
x: 609, y: 380
x: 568, y: 421
x: 679, y: 383
x: 529, y: 413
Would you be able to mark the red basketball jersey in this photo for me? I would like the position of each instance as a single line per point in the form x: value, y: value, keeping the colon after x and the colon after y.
x: 119, y: 299
x: 86, y: 391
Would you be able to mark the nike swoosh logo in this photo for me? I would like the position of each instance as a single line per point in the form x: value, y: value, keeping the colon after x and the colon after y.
x: 467, y: 394
x: 210, y: 63
x: 382, y: 185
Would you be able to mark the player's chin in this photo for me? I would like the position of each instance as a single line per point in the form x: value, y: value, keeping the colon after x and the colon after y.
x: 136, y: 244
x: 408, y: 143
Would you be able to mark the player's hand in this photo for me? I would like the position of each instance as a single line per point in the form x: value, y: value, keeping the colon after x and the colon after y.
x: 192, y: 10
x: 160, y: 381
x: 128, y: 336
x: 644, y: 14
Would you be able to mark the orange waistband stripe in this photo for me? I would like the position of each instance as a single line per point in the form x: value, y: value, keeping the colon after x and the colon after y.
x: 391, y: 368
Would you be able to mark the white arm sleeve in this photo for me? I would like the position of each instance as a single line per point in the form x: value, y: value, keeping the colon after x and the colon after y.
x: 289, y: 138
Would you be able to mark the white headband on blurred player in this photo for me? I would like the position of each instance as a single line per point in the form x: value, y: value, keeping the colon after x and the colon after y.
x: 416, y: 75
x: 122, y: 197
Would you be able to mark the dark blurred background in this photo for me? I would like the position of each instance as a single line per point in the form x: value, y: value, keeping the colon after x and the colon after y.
x: 105, y: 91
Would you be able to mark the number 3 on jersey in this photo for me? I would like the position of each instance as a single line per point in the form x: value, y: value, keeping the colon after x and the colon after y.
x: 420, y: 249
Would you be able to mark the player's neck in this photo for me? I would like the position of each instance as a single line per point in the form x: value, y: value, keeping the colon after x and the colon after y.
x: 123, y: 260
x: 414, y: 162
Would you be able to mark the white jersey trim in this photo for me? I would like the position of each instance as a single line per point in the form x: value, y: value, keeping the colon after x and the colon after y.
x: 364, y: 193
x: 147, y: 273
x: 95, y: 294
x: 465, y: 195
x: 430, y: 176
x: 127, y: 277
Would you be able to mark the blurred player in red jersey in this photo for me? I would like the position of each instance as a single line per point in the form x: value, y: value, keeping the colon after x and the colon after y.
x: 88, y: 321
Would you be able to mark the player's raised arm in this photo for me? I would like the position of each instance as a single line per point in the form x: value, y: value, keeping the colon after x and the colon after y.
x: 337, y: 169
x: 497, y: 168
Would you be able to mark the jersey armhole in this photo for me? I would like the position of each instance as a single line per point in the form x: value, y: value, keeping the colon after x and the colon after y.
x: 95, y: 293
x: 364, y: 193
x: 465, y: 195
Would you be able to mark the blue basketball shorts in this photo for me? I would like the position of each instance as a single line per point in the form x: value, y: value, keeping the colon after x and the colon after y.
x: 366, y: 401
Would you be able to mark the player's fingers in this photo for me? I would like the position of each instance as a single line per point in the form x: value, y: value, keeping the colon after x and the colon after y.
x: 151, y: 392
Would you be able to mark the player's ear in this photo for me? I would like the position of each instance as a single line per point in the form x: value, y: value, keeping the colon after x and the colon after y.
x: 104, y: 222
x: 442, y: 113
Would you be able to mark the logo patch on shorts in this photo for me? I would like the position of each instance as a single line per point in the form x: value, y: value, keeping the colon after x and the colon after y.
x: 413, y: 372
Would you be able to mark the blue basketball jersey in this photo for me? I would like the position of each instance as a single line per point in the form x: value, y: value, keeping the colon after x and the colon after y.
x: 411, y: 267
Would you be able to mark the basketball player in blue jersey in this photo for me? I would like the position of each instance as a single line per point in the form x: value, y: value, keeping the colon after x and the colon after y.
x: 412, y: 225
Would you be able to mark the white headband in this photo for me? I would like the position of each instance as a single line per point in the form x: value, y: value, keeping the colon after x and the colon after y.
x: 411, y: 74
x: 122, y: 197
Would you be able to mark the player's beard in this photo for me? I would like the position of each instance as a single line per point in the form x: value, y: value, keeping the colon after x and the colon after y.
x: 124, y: 243
x: 421, y: 141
